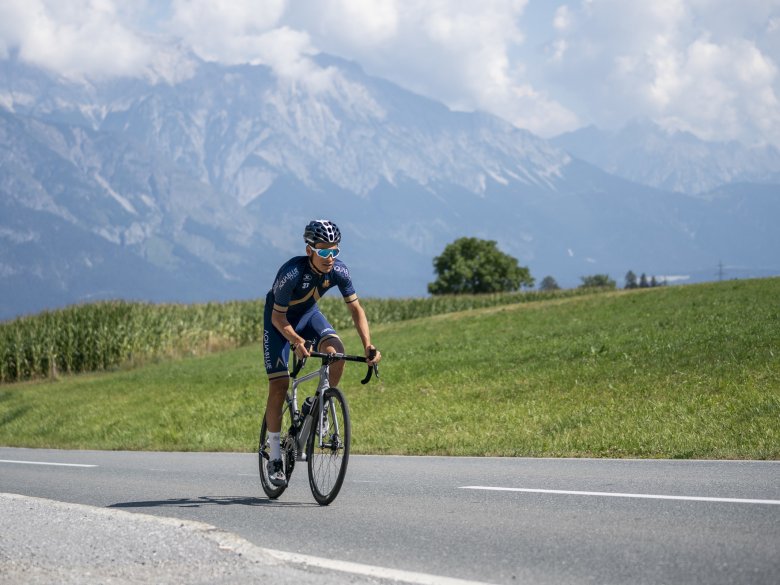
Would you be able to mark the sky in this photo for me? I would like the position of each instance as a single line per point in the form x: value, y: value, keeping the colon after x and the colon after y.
x: 710, y: 67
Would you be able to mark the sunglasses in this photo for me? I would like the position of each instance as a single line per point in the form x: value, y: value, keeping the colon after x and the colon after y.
x: 327, y: 252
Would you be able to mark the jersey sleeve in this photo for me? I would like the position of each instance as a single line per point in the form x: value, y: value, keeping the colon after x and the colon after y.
x: 344, y: 282
x: 283, y: 288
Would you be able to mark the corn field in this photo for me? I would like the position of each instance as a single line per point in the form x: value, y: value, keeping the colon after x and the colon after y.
x: 107, y: 335
x: 101, y: 336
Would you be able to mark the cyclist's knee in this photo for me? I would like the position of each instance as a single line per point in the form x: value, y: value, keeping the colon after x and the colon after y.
x: 278, y: 386
x: 331, y: 344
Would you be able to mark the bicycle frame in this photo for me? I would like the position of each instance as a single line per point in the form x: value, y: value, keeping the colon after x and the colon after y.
x: 292, y: 400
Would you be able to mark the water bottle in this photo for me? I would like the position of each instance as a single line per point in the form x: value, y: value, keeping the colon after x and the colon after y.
x: 308, y: 418
x: 307, y: 404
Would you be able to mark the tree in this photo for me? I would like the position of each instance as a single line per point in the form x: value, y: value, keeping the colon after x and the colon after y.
x: 549, y: 283
x: 631, y: 279
x: 643, y: 281
x: 472, y: 265
x: 597, y: 281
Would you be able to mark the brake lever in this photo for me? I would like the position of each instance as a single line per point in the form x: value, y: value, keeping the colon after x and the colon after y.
x: 372, y: 369
x: 298, y: 364
x: 368, y: 376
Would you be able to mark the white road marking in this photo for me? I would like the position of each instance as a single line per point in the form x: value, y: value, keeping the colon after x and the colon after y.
x: 619, y: 495
x: 368, y: 570
x: 47, y: 463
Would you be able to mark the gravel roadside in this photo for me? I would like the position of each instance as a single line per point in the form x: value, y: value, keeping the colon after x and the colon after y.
x: 43, y: 541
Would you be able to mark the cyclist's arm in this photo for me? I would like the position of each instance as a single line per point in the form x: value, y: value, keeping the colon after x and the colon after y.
x: 279, y: 320
x: 361, y: 324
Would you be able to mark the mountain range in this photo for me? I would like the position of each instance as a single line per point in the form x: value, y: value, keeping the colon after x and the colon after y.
x: 645, y: 153
x: 197, y: 188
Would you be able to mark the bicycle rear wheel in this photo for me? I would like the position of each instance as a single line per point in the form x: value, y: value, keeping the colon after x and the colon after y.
x: 288, y: 454
x: 327, y: 457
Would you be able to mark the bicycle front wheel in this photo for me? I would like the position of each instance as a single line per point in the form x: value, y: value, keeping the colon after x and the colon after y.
x: 327, y: 450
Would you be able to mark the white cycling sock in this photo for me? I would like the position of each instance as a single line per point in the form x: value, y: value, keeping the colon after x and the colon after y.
x: 276, y: 450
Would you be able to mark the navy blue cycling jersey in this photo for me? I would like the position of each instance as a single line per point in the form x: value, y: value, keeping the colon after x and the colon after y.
x: 298, y: 286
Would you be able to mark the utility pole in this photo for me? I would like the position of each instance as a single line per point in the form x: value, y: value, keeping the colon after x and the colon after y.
x: 720, y: 270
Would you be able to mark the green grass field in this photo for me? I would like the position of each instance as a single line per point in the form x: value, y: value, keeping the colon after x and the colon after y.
x: 679, y: 372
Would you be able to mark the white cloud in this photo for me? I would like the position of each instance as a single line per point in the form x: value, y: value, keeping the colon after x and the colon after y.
x: 226, y: 31
x: 359, y: 24
x: 562, y: 21
x: 705, y: 66
x: 77, y: 38
x: 458, y: 52
x: 92, y: 38
x: 248, y: 31
x: 708, y: 66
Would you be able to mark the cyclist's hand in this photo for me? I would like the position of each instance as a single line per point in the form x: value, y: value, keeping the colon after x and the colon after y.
x: 372, y: 359
x: 302, y: 350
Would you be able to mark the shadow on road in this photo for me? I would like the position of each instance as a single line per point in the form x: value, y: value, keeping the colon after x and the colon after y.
x: 211, y: 501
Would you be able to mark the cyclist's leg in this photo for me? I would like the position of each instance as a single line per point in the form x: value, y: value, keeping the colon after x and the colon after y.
x: 277, y: 391
x: 275, y: 354
x: 326, y: 340
x: 276, y: 351
x: 332, y: 344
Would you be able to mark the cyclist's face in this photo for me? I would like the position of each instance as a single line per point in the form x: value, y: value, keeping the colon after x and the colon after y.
x: 320, y: 263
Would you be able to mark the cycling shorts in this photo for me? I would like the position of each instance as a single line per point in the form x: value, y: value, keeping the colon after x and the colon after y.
x: 312, y: 326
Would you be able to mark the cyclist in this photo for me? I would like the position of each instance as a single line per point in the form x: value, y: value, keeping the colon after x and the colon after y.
x: 292, y: 316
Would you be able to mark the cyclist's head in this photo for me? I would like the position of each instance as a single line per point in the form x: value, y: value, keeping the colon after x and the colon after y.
x: 321, y: 231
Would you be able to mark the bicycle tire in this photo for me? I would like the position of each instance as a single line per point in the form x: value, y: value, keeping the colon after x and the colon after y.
x: 288, y: 454
x: 327, y: 463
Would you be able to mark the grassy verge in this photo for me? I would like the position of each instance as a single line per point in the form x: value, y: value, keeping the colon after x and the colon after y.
x: 686, y: 372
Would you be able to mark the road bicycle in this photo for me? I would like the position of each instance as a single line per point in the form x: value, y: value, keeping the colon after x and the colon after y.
x: 319, y: 433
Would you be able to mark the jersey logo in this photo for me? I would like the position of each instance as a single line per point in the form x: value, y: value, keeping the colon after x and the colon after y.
x: 280, y: 363
x: 326, y: 283
x: 285, y: 279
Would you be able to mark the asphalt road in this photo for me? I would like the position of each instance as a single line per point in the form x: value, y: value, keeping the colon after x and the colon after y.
x: 491, y: 520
